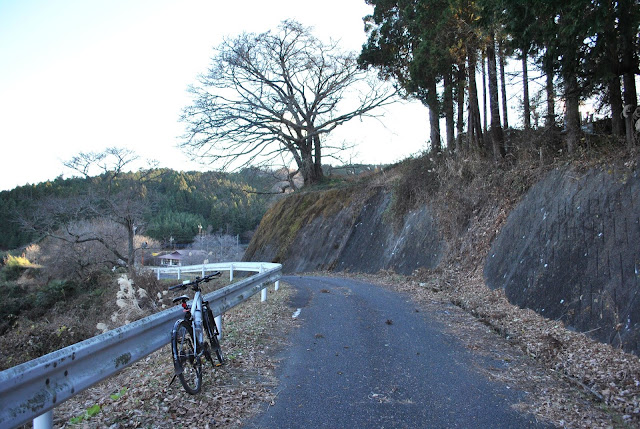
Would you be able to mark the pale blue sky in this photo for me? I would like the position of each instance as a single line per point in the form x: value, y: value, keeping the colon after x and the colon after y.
x: 84, y: 75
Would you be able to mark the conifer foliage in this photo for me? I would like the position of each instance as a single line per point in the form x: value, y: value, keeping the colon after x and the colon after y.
x: 583, y: 48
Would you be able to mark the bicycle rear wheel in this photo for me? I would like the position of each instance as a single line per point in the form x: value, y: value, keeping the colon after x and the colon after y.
x: 187, y: 365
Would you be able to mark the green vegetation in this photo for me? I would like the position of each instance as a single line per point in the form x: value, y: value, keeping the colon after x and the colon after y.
x: 119, y: 394
x: 434, y: 49
x: 14, y: 266
x: 177, y: 203
x: 37, y: 300
x: 288, y: 216
x: 91, y: 411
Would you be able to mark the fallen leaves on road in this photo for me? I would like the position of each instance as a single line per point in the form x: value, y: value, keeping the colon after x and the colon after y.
x: 578, y: 382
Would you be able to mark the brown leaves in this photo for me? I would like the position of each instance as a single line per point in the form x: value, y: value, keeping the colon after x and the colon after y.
x: 230, y: 394
x: 558, y: 366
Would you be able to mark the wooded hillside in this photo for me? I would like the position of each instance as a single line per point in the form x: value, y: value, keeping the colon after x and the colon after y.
x: 178, y: 203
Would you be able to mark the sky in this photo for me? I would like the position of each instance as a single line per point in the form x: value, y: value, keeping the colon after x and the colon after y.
x: 85, y: 75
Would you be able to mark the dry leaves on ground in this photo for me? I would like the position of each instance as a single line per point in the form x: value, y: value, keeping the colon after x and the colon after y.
x: 575, y: 381
x: 140, y: 396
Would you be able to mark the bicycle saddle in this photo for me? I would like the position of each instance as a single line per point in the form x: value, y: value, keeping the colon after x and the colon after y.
x: 180, y: 298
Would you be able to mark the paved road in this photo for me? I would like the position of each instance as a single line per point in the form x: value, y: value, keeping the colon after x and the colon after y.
x: 365, y: 358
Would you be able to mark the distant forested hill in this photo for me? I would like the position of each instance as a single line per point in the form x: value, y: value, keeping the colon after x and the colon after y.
x: 179, y: 203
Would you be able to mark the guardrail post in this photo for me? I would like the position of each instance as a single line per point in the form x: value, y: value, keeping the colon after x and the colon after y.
x: 231, y: 273
x: 44, y: 421
x: 277, y: 285
x: 203, y: 270
x: 158, y: 272
x: 218, y: 320
x: 178, y: 273
x: 263, y: 292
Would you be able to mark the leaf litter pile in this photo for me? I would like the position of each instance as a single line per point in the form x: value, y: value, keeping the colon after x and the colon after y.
x: 572, y: 380
x: 140, y: 395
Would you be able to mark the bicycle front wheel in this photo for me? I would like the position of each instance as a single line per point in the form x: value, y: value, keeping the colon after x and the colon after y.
x: 187, y: 364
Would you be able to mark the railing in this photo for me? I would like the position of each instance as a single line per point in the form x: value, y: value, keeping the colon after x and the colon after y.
x: 256, y: 267
x: 34, y: 388
x: 232, y: 267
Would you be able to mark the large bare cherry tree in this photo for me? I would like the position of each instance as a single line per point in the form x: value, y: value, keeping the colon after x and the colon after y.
x: 276, y: 96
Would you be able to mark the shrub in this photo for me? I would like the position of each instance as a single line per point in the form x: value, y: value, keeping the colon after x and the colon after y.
x: 55, y: 291
x: 14, y: 266
x: 14, y: 301
x: 16, y: 261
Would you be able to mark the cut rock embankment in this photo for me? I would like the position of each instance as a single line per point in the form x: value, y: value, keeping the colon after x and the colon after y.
x: 570, y: 250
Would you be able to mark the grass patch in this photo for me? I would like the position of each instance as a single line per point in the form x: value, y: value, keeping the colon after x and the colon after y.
x: 18, y: 299
x: 14, y: 266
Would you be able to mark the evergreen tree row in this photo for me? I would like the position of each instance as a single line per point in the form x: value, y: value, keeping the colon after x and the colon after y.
x: 434, y: 50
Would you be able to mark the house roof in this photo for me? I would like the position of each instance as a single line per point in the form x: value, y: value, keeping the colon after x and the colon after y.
x: 173, y: 255
x: 179, y: 254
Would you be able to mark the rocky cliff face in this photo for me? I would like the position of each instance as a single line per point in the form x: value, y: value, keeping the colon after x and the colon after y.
x: 570, y: 249
x: 362, y: 237
x: 377, y: 242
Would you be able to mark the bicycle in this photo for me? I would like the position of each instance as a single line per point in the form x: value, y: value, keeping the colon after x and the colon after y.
x: 188, y: 344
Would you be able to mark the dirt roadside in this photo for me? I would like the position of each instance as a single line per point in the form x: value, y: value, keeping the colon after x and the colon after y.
x: 575, y: 382
x: 140, y: 396
x: 544, y: 360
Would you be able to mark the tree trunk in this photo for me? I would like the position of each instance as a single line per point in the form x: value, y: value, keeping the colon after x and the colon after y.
x: 550, y: 120
x: 572, y: 119
x: 503, y: 84
x: 630, y: 102
x: 434, y: 116
x: 131, y: 254
x: 474, y: 126
x: 497, y: 136
x: 461, y: 79
x: 485, y: 125
x: 307, y: 167
x: 629, y: 64
x: 630, y: 94
x: 317, y: 162
x: 615, y: 101
x: 613, y: 82
x: 525, y: 85
x: 448, y: 110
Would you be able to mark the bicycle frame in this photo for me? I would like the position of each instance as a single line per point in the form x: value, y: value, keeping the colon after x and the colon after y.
x: 196, y: 314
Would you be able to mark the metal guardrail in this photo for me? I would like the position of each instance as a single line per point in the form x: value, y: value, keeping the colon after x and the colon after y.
x: 257, y: 267
x: 34, y: 388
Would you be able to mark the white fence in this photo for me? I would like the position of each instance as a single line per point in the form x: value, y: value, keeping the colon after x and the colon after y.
x: 34, y: 388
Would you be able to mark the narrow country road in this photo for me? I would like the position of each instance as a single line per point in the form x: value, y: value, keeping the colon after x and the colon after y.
x: 366, y: 357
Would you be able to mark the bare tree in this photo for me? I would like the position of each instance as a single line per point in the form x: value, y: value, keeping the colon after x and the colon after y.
x: 274, y: 93
x: 70, y: 252
x: 113, y: 197
x: 213, y: 248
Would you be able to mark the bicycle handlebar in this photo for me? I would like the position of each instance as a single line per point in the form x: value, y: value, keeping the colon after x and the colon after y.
x: 197, y: 281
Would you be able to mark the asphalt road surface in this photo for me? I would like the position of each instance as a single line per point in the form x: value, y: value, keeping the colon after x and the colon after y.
x: 364, y: 357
